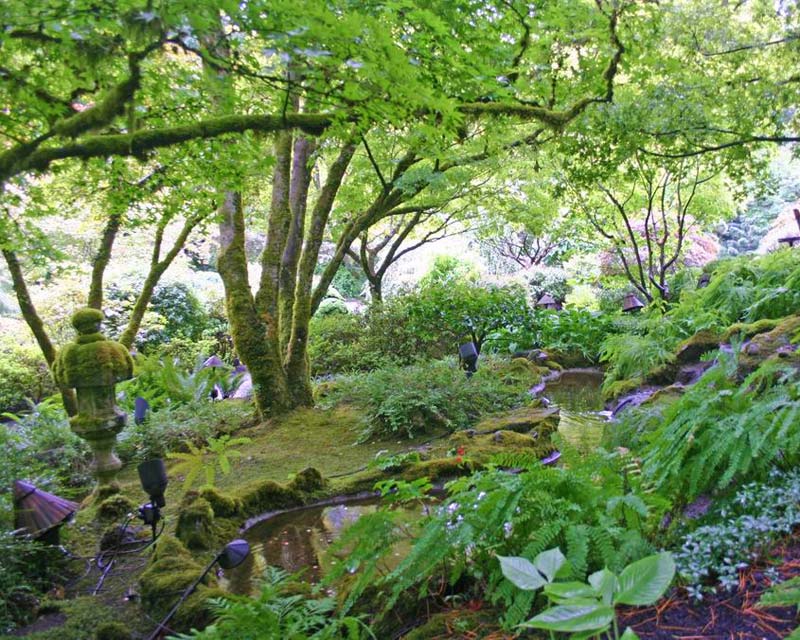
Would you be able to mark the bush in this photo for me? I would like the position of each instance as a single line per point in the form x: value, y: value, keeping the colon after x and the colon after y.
x: 23, y: 374
x: 39, y: 446
x: 437, y: 395
x: 27, y: 571
x: 169, y: 429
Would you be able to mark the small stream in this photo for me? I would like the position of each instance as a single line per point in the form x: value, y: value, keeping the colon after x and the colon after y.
x: 577, y: 393
x: 297, y: 540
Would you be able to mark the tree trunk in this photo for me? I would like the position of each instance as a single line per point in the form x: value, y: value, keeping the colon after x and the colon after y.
x: 254, y: 338
x: 102, y: 259
x: 36, y: 325
x: 297, y: 370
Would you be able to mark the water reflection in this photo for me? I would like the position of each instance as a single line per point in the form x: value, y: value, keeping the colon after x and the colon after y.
x: 578, y: 395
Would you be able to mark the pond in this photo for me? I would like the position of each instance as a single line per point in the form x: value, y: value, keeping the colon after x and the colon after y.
x: 297, y: 540
x: 578, y: 395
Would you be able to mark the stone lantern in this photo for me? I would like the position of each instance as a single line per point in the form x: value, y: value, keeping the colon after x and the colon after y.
x: 92, y: 365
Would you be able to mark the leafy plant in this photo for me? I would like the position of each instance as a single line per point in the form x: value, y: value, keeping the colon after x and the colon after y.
x: 585, y: 510
x: 721, y: 430
x: 277, y: 614
x: 784, y: 594
x: 588, y: 608
x: 417, y: 399
x: 217, y: 453
x: 738, y: 531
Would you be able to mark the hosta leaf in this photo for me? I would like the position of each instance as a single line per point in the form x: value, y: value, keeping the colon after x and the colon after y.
x: 646, y: 580
x: 629, y: 634
x: 574, y: 617
x: 605, y: 584
x: 521, y: 572
x: 549, y: 562
x: 560, y: 591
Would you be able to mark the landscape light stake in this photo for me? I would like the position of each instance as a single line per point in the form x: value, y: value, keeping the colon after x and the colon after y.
x: 231, y: 556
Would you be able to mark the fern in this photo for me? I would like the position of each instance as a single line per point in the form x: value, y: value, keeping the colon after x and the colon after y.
x: 721, y: 431
x: 218, y: 452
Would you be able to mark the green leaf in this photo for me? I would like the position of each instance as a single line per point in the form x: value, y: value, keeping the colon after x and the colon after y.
x: 521, y: 572
x: 605, y: 584
x: 629, y: 634
x: 559, y: 592
x: 646, y: 580
x: 549, y: 562
x: 574, y: 617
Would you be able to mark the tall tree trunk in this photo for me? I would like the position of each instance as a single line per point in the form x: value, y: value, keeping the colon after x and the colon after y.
x: 298, y: 198
x: 36, y: 325
x: 255, y: 339
x: 101, y: 260
x: 297, y: 370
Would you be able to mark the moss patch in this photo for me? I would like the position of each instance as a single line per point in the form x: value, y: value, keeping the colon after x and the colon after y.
x: 524, y: 419
x: 748, y: 330
x: 115, y: 507
x: 112, y: 631
x: 224, y: 505
x: 195, y: 526
x: 777, y: 343
x: 692, y: 348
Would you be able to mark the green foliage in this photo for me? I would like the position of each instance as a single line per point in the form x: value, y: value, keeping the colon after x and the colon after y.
x: 174, y: 312
x: 588, y: 608
x: 28, y: 570
x: 738, y: 530
x: 722, y: 430
x: 573, y: 333
x: 23, y: 374
x: 168, y: 429
x: 277, y: 614
x: 39, y: 446
x: 217, y: 453
x: 585, y: 510
x: 631, y: 357
x: 166, y: 382
x: 427, y: 396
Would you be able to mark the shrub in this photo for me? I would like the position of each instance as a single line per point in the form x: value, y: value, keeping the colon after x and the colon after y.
x: 23, y: 374
x: 415, y: 399
x: 170, y: 428
x: 738, y: 531
x: 722, y: 430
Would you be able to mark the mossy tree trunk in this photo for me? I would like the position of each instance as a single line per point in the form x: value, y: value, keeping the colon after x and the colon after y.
x: 36, y: 325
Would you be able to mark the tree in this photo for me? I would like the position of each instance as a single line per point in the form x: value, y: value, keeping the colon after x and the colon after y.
x: 123, y: 81
x: 647, y: 214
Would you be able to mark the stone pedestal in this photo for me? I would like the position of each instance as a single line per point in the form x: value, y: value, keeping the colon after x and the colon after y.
x: 92, y: 365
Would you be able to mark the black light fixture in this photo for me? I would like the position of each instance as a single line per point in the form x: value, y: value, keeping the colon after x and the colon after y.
x: 702, y: 283
x: 631, y: 303
x: 468, y: 356
x: 153, y: 476
x: 231, y: 556
x: 140, y: 409
x: 793, y: 240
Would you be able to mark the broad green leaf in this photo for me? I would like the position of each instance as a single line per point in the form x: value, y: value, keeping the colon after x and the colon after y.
x: 521, y: 572
x: 629, y: 634
x: 549, y: 562
x: 574, y: 617
x: 646, y: 580
x: 605, y: 584
x: 559, y: 592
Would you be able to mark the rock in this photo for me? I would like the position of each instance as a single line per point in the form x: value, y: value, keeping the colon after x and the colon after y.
x: 521, y: 420
x: 698, y: 508
x: 701, y: 342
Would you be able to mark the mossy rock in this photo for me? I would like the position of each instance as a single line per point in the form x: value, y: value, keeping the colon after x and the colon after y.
x: 667, y: 395
x: 223, y: 504
x: 572, y: 359
x: 112, y: 631
x: 269, y: 495
x: 553, y: 366
x: 620, y: 388
x: 777, y: 343
x: 309, y: 480
x: 116, y: 507
x: 443, y: 624
x: 663, y: 374
x: 170, y: 571
x: 195, y: 527
x: 480, y: 449
x: 700, y: 343
x: 104, y: 491
x: 746, y: 330
x: 524, y: 419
